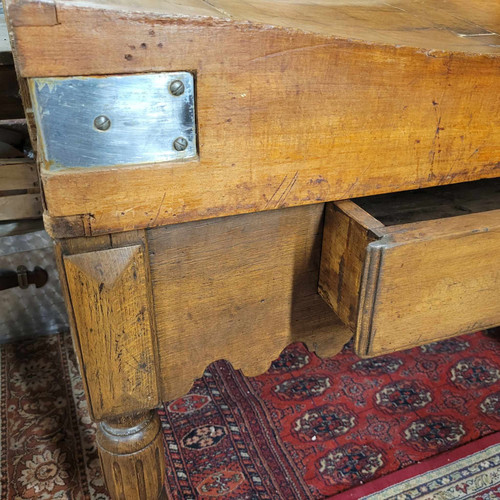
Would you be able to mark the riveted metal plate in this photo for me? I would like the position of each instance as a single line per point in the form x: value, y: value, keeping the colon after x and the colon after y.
x: 115, y: 120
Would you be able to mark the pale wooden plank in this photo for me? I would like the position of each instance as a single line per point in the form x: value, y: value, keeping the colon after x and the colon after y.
x: 466, y: 26
x: 32, y: 13
x: 15, y: 174
x: 21, y: 206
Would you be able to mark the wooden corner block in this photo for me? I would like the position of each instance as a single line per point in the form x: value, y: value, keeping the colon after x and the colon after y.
x: 31, y: 12
x: 112, y: 310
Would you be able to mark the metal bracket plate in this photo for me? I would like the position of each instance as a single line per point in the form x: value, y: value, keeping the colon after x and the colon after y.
x: 115, y: 120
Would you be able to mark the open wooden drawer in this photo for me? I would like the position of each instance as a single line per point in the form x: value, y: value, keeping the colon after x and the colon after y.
x: 409, y: 268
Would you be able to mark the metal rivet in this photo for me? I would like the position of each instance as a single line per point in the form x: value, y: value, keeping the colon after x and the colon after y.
x: 177, y: 88
x: 102, y: 123
x: 180, y: 144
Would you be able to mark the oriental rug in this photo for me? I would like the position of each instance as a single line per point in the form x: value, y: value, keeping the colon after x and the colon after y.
x: 47, y: 445
x: 471, y: 471
x: 306, y: 429
x: 312, y: 428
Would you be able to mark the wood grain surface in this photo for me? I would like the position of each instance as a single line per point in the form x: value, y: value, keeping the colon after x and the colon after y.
x: 420, y: 281
x: 32, y: 13
x: 20, y: 206
x: 348, y: 230
x: 453, y: 25
x: 110, y: 303
x: 18, y: 174
x: 292, y: 107
x: 131, y: 452
x: 239, y: 288
x: 436, y: 279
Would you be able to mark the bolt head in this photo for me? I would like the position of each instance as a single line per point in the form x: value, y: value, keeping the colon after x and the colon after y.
x: 102, y: 123
x: 180, y: 144
x: 177, y: 88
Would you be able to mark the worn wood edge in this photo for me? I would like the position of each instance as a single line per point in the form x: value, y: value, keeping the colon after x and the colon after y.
x: 324, y: 345
x: 352, y: 213
x: 257, y: 11
x: 72, y: 226
x: 219, y: 17
x: 204, y: 9
x: 65, y: 226
x: 447, y: 227
x: 70, y: 246
x: 381, y: 352
x: 121, y: 401
x: 58, y: 252
x: 361, y: 216
x: 368, y: 298
x: 31, y: 13
x: 76, y: 340
x: 131, y: 238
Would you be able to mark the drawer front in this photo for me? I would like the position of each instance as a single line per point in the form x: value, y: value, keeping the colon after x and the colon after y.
x: 410, y: 284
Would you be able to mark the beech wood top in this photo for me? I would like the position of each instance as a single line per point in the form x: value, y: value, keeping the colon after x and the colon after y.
x: 296, y: 102
x: 452, y: 25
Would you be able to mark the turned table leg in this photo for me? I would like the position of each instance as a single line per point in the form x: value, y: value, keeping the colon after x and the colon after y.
x: 109, y: 295
x: 131, y: 452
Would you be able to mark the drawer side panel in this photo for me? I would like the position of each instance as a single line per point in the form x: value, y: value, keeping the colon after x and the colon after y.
x: 343, y: 254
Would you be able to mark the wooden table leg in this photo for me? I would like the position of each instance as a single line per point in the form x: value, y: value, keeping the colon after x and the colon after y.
x: 131, y: 451
x: 109, y: 295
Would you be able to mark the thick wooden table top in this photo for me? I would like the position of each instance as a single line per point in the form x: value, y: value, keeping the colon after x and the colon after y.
x: 298, y: 102
x: 452, y: 25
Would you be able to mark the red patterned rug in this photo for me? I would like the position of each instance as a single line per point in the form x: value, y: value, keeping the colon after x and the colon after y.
x: 311, y: 428
x: 306, y: 429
